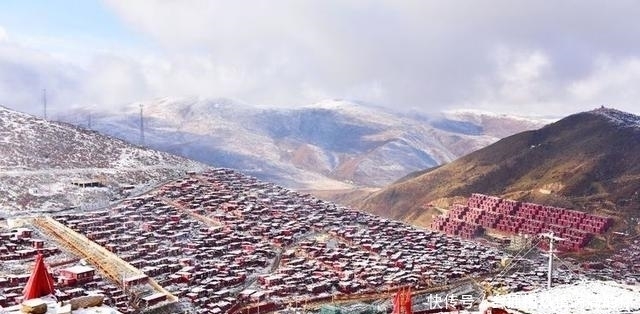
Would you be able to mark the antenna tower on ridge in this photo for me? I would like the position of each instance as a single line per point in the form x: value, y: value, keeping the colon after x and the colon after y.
x: 141, y: 126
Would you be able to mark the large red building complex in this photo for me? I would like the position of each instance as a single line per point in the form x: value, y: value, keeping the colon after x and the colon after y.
x: 483, y: 211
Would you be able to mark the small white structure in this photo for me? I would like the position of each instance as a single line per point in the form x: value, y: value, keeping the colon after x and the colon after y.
x: 593, y: 297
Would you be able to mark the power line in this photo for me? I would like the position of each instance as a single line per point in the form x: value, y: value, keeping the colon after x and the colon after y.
x: 570, y: 268
x: 508, y: 267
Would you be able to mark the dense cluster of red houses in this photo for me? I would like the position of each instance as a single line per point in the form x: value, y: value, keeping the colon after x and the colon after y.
x: 18, y: 244
x: 623, y: 266
x: 531, y: 274
x: 18, y: 249
x: 483, y: 211
x: 192, y: 260
x: 223, y: 240
x: 626, y: 262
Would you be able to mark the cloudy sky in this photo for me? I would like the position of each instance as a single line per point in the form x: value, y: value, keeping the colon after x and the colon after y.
x: 531, y: 57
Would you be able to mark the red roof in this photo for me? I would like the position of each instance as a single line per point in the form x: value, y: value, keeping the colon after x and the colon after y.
x: 40, y: 283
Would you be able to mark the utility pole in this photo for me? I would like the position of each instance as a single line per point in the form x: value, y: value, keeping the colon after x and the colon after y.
x: 44, y: 102
x: 89, y: 121
x: 550, y: 270
x: 141, y: 126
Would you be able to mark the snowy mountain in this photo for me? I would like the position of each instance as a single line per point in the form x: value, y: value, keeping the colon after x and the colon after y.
x: 43, y: 165
x: 493, y: 124
x: 620, y: 118
x: 328, y: 145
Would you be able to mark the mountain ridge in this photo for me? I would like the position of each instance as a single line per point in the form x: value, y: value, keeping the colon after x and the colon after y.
x: 583, y: 161
x: 334, y: 144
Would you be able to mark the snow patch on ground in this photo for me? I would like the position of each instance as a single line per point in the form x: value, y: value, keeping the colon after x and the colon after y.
x: 595, y: 297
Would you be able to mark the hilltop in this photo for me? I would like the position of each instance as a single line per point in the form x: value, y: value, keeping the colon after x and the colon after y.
x: 588, y: 161
x: 41, y: 160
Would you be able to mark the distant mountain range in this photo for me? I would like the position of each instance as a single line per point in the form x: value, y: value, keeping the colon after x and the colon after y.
x: 329, y: 145
x: 43, y: 165
x: 588, y: 161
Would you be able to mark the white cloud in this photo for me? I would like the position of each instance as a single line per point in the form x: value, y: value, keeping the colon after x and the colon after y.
x: 3, y: 34
x: 522, y: 75
x: 408, y: 53
x: 612, y: 82
x: 418, y: 54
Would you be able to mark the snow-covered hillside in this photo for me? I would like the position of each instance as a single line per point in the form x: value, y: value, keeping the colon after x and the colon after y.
x: 621, y: 118
x: 333, y: 144
x: 490, y: 123
x: 40, y: 160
